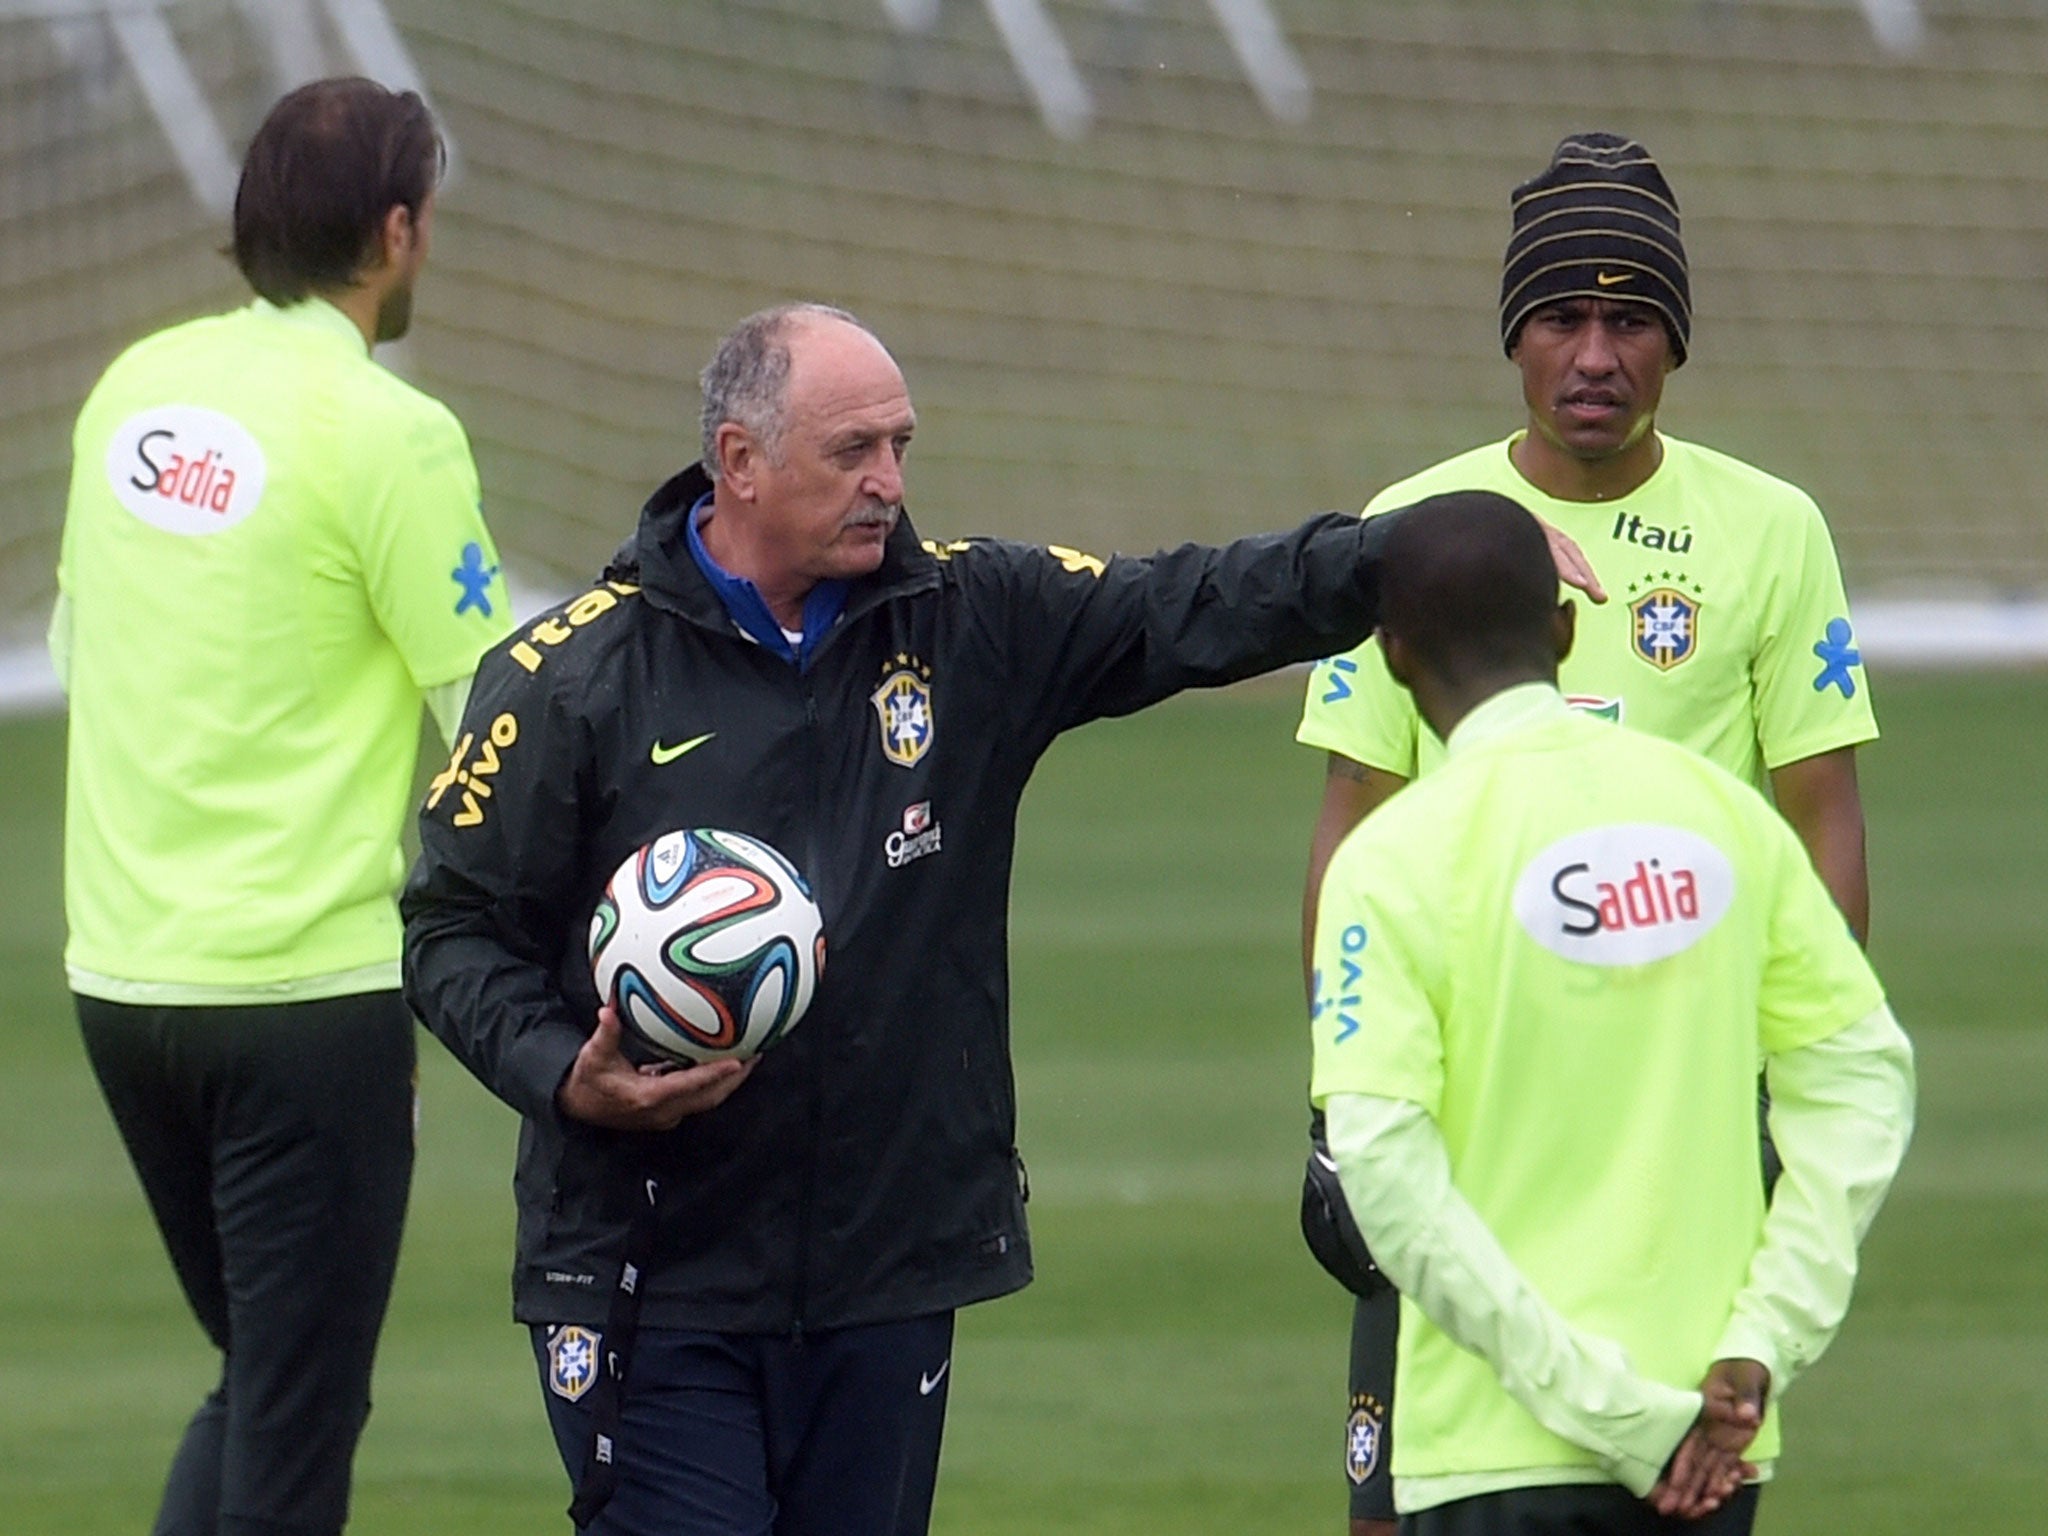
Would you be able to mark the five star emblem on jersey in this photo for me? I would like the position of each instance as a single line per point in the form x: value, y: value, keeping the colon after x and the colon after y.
x: 572, y: 1361
x: 903, y: 707
x: 1664, y: 622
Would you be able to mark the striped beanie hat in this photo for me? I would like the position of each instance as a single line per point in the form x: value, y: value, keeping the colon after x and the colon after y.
x: 1599, y: 222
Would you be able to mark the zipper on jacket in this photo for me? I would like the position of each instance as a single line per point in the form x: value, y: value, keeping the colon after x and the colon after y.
x: 807, y: 1196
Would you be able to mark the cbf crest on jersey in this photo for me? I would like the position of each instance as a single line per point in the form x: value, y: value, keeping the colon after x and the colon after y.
x: 903, y: 708
x: 1664, y: 626
x: 572, y: 1361
x: 1364, y: 1433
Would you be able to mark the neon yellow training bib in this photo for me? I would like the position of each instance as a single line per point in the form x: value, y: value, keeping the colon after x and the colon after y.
x: 272, y: 547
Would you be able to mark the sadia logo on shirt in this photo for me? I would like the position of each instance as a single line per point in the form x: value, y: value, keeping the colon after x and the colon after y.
x: 1624, y: 895
x: 185, y: 469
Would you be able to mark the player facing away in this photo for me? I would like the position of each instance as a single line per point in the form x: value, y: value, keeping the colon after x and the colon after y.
x: 1728, y: 630
x: 1544, y: 976
x: 272, y: 553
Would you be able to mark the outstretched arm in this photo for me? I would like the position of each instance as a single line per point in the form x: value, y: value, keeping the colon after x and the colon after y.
x: 1108, y: 637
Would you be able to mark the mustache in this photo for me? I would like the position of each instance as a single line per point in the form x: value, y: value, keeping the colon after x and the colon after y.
x: 874, y: 513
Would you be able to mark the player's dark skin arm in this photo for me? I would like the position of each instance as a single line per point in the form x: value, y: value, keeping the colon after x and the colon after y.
x: 1350, y: 791
x: 1819, y: 797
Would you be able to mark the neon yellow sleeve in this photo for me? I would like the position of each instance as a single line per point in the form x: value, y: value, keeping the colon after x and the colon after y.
x: 60, y: 641
x: 1376, y: 950
x: 446, y: 702
x: 1841, y: 1115
x: 62, y: 617
x: 1354, y: 707
x: 1434, y: 1247
x: 1816, y: 978
x: 1811, y: 691
x: 429, y: 563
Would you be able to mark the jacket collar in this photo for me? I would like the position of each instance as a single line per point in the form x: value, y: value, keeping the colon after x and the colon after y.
x: 1507, y: 713
x: 318, y: 317
x: 657, y: 558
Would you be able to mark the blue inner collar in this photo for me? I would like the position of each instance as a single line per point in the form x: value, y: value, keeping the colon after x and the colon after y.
x: 822, y: 604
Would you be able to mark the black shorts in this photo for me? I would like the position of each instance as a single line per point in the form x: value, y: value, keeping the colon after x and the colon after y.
x: 1575, y: 1509
x: 1369, y: 1415
x: 834, y: 1433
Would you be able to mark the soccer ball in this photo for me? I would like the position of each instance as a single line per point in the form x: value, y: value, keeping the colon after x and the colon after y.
x: 707, y: 944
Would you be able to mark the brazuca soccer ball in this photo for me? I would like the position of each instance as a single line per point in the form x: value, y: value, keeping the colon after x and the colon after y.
x: 708, y: 944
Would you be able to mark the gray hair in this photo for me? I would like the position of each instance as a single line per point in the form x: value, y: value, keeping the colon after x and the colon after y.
x: 747, y: 380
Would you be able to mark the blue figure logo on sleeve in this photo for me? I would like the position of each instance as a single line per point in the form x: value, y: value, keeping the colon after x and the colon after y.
x: 1339, y: 689
x: 475, y: 578
x: 1837, y: 655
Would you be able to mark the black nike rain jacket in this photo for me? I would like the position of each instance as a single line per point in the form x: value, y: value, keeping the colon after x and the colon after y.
x: 868, y: 1171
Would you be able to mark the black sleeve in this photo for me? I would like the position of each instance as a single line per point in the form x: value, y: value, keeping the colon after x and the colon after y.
x: 485, y: 907
x: 1093, y: 638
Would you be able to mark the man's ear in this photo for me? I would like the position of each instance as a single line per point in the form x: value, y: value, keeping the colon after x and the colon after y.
x: 1564, y: 628
x: 739, y: 458
x: 396, y: 236
x: 1399, y: 662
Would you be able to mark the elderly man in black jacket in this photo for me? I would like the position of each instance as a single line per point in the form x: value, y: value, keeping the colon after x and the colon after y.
x: 741, y: 1278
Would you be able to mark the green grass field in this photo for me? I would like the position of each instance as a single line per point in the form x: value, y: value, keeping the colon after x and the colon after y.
x: 1179, y: 1365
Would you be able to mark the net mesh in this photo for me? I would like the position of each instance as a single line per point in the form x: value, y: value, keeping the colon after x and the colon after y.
x: 1148, y: 309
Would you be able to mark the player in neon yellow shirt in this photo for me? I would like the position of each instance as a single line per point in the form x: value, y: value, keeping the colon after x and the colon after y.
x: 273, y: 552
x: 1543, y: 978
x: 1726, y: 630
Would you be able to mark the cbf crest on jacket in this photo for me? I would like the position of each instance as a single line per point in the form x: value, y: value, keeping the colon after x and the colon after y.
x: 867, y: 1171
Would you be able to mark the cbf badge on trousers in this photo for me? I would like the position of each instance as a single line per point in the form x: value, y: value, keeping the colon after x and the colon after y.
x: 572, y: 1361
x: 903, y: 709
x: 1364, y: 1433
